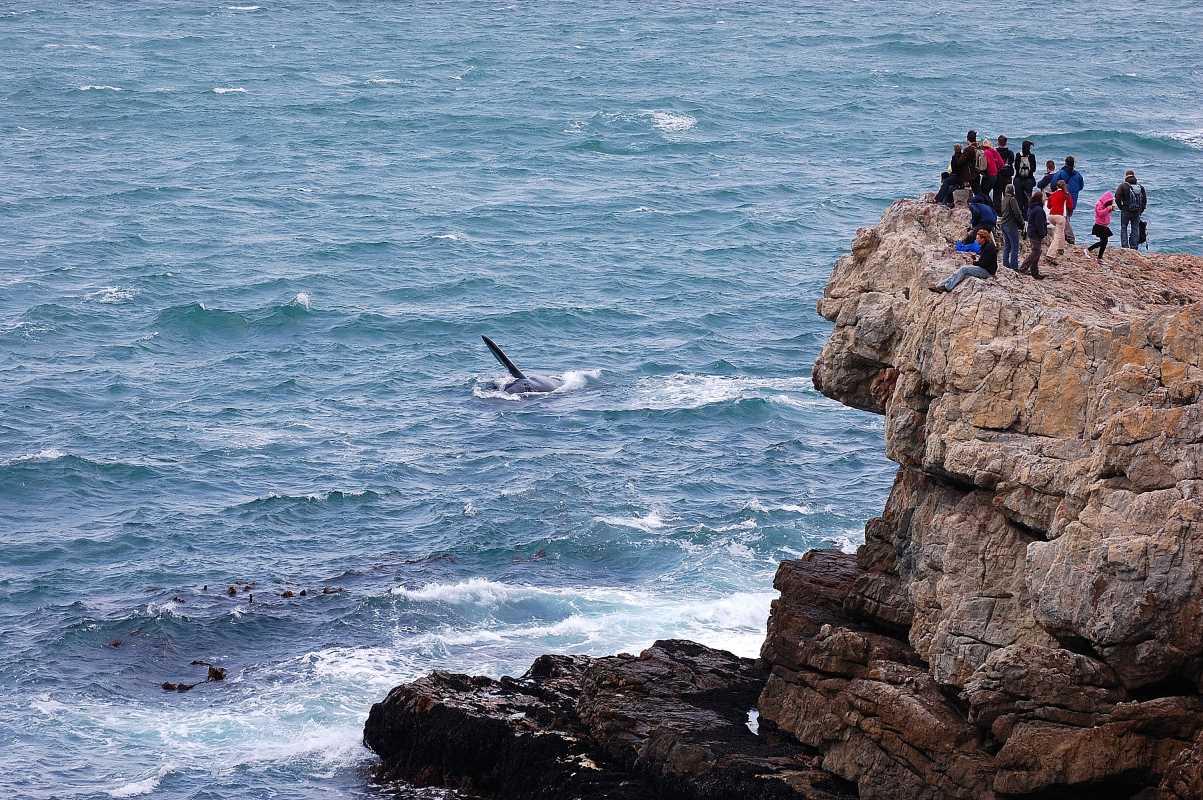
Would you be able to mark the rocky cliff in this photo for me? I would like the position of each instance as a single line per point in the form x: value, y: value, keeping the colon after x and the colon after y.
x: 1025, y: 619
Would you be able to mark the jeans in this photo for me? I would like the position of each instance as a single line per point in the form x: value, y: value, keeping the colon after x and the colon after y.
x: 1010, y: 232
x: 1132, y: 240
x: 1059, y: 225
x: 961, y: 274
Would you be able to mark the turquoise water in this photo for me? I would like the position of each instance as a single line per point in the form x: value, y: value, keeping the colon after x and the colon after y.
x: 246, y: 255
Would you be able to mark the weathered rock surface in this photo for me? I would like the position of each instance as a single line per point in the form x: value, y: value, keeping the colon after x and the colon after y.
x: 671, y: 722
x: 1024, y: 620
x: 1039, y: 558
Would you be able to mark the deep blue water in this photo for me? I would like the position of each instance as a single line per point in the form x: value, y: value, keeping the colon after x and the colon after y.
x: 246, y: 255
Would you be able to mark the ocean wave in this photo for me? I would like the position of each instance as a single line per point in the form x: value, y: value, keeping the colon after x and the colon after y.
x: 141, y: 787
x: 670, y: 122
x: 1194, y: 138
x: 384, y: 81
x: 651, y: 521
x: 228, y: 90
x: 302, y: 300
x: 333, y: 496
x: 46, y: 454
x: 242, y: 8
x: 100, y: 87
x: 687, y: 391
x: 111, y: 295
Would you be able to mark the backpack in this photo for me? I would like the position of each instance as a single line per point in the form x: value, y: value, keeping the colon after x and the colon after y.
x: 1023, y: 166
x: 982, y: 164
x: 1133, y: 198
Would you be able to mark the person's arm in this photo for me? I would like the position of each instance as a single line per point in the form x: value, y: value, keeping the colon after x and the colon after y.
x: 1144, y: 199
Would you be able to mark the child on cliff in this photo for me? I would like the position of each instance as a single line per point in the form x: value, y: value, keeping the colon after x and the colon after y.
x: 1102, y: 221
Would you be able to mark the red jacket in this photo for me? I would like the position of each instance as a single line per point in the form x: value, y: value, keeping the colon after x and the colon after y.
x: 994, y: 162
x: 1059, y: 201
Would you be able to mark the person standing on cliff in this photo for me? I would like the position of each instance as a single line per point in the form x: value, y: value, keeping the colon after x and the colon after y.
x: 1037, y: 230
x: 1102, y: 224
x: 984, y: 267
x: 1131, y: 199
x: 1025, y: 175
x: 1074, y: 182
x: 1012, y: 223
x: 977, y: 159
x: 1059, y: 205
x: 1006, y: 173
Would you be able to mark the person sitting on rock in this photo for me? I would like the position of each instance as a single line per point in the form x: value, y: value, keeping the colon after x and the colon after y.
x: 1037, y: 230
x: 948, y: 183
x: 984, y: 267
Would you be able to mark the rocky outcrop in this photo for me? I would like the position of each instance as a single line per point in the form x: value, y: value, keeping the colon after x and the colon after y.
x: 1024, y: 620
x: 672, y: 722
x: 1037, y: 566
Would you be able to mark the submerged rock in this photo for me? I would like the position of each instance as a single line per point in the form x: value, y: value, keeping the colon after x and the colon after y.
x: 1024, y: 620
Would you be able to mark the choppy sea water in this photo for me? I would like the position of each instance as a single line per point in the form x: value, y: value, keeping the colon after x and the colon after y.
x: 246, y: 255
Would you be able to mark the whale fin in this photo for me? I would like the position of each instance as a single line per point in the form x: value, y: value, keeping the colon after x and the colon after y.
x: 503, y: 358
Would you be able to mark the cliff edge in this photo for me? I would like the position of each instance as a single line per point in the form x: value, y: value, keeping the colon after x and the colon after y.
x: 1025, y: 619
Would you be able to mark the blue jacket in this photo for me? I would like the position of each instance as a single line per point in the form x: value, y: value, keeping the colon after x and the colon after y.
x: 1037, y: 222
x: 981, y: 212
x: 1073, y: 182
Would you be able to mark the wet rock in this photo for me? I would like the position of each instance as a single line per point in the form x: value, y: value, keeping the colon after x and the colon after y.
x: 287, y: 593
x: 216, y: 673
x: 115, y: 643
x: 233, y: 590
x: 332, y: 590
x: 671, y: 722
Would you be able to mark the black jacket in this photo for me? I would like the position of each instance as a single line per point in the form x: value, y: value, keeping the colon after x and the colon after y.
x: 1121, y: 196
x: 1037, y: 222
x: 987, y: 259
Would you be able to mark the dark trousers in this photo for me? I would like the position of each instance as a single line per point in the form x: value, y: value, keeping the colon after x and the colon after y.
x: 1023, y: 191
x: 1100, y: 245
x: 1031, y: 264
x: 1129, y: 229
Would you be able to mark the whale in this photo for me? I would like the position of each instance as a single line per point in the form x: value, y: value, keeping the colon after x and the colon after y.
x: 523, y: 382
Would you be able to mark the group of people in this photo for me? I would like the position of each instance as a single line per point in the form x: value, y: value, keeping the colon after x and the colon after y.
x: 1003, y: 193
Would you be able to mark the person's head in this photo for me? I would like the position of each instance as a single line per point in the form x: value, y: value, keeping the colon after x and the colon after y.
x: 1002, y: 140
x: 971, y: 136
x: 983, y: 235
x: 945, y: 176
x: 1050, y: 165
x: 1027, y: 147
x: 1061, y: 186
x: 986, y: 143
x: 956, y: 148
x: 1037, y: 197
x: 1069, y: 163
x: 1130, y: 176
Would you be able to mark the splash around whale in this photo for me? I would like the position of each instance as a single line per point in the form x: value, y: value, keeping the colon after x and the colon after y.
x: 522, y: 383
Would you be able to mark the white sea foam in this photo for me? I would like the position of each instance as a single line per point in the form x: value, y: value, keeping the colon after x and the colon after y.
x: 303, y: 300
x: 111, y: 295
x: 384, y: 81
x: 452, y: 237
x: 1194, y: 137
x: 685, y: 391
x: 228, y: 90
x: 46, y: 454
x: 470, y: 509
x: 651, y: 521
x: 669, y: 122
x: 144, y: 786
x: 746, y: 525
x: 99, y: 87
x: 243, y: 8
x: 578, y: 379
x: 57, y: 46
x: 848, y: 541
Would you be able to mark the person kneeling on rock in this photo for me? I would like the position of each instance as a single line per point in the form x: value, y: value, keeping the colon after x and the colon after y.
x: 984, y: 267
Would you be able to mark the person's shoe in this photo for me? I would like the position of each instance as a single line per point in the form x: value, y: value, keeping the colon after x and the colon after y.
x: 1086, y: 250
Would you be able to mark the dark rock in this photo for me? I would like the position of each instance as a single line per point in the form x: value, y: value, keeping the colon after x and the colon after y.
x: 670, y: 722
x: 304, y: 592
x: 332, y: 590
x: 232, y: 591
x: 216, y: 673
x: 115, y: 643
x: 287, y: 593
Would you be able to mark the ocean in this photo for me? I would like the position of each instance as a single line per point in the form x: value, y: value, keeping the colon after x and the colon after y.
x: 247, y: 252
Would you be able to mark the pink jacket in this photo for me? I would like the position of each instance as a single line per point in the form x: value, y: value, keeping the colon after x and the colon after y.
x: 994, y: 162
x: 1103, y: 209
